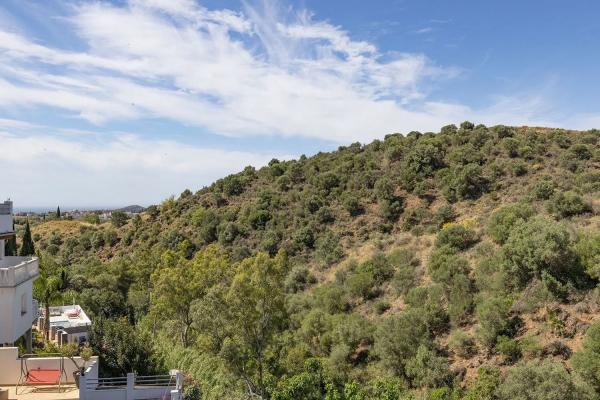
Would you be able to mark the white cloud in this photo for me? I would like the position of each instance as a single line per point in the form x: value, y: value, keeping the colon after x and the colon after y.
x: 110, y: 171
x: 256, y: 73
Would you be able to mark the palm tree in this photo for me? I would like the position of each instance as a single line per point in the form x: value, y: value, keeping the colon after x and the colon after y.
x: 47, y: 290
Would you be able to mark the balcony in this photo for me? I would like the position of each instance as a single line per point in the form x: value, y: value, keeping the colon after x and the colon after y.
x: 16, y: 270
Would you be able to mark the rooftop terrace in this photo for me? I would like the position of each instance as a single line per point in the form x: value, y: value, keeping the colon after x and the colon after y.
x: 16, y: 270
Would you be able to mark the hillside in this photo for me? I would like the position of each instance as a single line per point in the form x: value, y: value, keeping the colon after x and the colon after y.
x: 458, y: 264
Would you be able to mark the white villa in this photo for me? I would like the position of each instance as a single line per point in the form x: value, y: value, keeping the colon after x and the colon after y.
x: 68, y: 324
x: 18, y: 309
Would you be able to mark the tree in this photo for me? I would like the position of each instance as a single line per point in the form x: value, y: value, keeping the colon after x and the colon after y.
x: 505, y: 218
x: 58, y: 212
x: 122, y: 347
x: 256, y: 304
x: 180, y: 282
x: 46, y: 289
x: 27, y: 247
x: 537, y: 247
x: 118, y: 218
x: 10, y: 248
x: 567, y: 204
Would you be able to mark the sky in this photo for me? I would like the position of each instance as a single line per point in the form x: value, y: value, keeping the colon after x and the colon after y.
x: 111, y: 103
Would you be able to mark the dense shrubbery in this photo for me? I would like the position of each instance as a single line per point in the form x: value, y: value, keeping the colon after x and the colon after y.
x: 345, y: 276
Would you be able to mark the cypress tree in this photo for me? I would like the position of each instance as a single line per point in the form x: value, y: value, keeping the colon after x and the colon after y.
x: 58, y: 212
x: 10, y: 248
x: 27, y: 248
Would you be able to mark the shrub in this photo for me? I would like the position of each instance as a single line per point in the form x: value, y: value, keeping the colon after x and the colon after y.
x: 382, y: 306
x: 405, y: 277
x: 461, y: 344
x: 444, y: 264
x: 460, y: 299
x: 305, y: 236
x: 586, y: 361
x: 588, y: 251
x: 492, y: 314
x: 390, y: 210
x: 259, y: 218
x: 538, y: 381
x: 352, y: 205
x: 504, y: 219
x: 325, y: 215
x: 397, y: 338
x: 428, y: 303
x: 298, y: 279
x: 567, y: 204
x: 543, y: 189
x: 539, y: 246
x: 465, y: 182
x: 228, y: 232
x: 361, y: 284
x: 328, y: 249
x: 427, y: 369
x: 484, y: 386
x: 443, y: 215
x: 456, y: 236
x: 509, y: 348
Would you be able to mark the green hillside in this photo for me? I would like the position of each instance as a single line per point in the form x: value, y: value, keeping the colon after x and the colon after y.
x: 454, y: 265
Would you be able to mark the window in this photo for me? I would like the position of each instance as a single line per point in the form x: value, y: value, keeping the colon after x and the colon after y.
x: 24, y: 304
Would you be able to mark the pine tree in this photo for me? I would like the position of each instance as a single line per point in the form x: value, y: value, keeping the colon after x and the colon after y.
x: 58, y: 212
x: 27, y: 248
x: 10, y: 248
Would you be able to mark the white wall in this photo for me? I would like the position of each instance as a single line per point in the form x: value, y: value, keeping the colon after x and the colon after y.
x: 10, y: 366
x: 6, y: 223
x: 13, y: 324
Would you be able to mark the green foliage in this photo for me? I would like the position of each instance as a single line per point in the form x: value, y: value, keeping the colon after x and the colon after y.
x: 586, y: 361
x: 484, y: 386
x: 27, y: 246
x: 445, y: 264
x: 505, y: 218
x: 456, y: 236
x: 397, y: 339
x: 118, y: 218
x: 122, y: 348
x: 493, y: 316
x: 465, y: 182
x: 538, y: 381
x: 543, y: 189
x: 588, y: 251
x: 328, y: 249
x: 427, y: 369
x: 461, y: 344
x: 537, y: 247
x: 509, y: 348
x: 567, y: 204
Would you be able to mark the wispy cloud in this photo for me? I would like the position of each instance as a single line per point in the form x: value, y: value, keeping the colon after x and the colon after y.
x: 422, y: 31
x: 263, y: 71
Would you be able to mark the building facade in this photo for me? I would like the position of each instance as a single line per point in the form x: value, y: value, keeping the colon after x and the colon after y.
x: 18, y: 309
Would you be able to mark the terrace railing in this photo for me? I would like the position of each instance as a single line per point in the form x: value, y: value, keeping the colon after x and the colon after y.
x: 132, y: 387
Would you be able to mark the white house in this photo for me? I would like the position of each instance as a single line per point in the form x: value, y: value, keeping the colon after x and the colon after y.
x: 18, y: 310
x: 68, y: 324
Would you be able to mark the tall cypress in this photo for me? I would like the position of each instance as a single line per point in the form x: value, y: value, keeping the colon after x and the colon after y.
x: 58, y: 212
x: 10, y: 248
x: 27, y: 248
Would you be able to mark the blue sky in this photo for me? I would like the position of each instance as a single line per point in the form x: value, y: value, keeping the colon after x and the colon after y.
x: 130, y: 101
